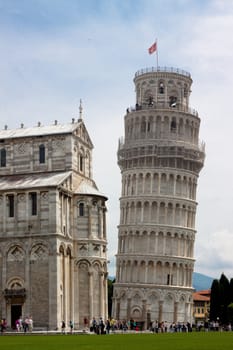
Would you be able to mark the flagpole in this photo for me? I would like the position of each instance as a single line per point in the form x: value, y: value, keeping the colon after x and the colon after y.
x: 157, y: 58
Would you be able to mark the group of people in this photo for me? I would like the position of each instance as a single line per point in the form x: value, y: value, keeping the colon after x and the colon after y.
x: 101, y: 327
x: 24, y: 325
x: 21, y: 325
x: 63, y: 326
x: 163, y: 327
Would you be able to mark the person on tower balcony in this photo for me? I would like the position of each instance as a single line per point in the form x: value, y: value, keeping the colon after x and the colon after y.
x: 151, y: 102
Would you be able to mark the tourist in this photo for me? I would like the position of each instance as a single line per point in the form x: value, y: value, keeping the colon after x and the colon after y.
x: 101, y: 326
x: 107, y: 326
x: 26, y: 324
x: 3, y: 325
x: 63, y: 327
x: 30, y: 324
x: 17, y: 325
x: 71, y: 326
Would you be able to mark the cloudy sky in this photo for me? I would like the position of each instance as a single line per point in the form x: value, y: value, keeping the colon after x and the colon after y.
x: 54, y: 52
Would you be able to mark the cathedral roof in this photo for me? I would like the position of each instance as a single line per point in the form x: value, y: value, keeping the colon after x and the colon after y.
x: 15, y: 182
x: 26, y: 181
x: 39, y: 130
x: 88, y: 188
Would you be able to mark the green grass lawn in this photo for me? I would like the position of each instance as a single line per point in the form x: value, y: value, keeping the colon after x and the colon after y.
x: 169, y: 341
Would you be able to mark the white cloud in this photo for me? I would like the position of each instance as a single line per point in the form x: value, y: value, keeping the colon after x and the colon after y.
x: 214, y: 254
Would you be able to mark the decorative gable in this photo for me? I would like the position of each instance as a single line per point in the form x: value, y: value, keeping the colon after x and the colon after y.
x: 82, y: 133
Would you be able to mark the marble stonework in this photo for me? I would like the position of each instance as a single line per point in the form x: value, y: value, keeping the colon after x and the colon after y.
x: 160, y: 158
x: 53, y: 260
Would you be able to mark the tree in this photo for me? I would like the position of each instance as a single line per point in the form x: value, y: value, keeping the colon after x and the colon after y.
x: 231, y: 290
x: 215, y: 300
x: 220, y: 298
x: 230, y: 312
x: 110, y: 295
x: 224, y: 298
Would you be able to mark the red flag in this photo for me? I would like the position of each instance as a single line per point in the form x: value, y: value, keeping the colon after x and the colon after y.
x: 153, y: 48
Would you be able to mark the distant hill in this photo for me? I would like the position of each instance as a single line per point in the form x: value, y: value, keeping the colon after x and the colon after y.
x: 201, y: 282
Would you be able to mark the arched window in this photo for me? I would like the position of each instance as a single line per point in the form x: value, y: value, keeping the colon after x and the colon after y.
x: 33, y: 198
x: 11, y: 205
x: 3, y: 157
x: 15, y: 285
x: 81, y: 209
x: 41, y: 154
x: 81, y: 161
x: 173, y: 125
x: 143, y: 126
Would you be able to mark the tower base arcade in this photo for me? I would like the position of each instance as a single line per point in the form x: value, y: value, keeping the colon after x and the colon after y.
x: 148, y: 305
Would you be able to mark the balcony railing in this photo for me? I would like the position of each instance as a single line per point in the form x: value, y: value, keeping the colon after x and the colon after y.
x: 174, y: 142
x: 188, y: 154
x: 162, y: 69
x: 163, y: 106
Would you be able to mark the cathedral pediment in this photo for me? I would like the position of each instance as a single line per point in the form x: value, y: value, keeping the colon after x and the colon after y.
x: 82, y: 133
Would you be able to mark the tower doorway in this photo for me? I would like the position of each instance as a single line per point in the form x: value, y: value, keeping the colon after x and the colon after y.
x: 16, y: 312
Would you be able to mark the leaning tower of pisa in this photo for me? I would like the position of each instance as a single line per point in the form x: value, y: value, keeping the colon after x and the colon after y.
x: 160, y: 159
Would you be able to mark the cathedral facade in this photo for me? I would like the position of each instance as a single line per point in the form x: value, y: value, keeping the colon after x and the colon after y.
x: 53, y: 260
x: 160, y: 159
